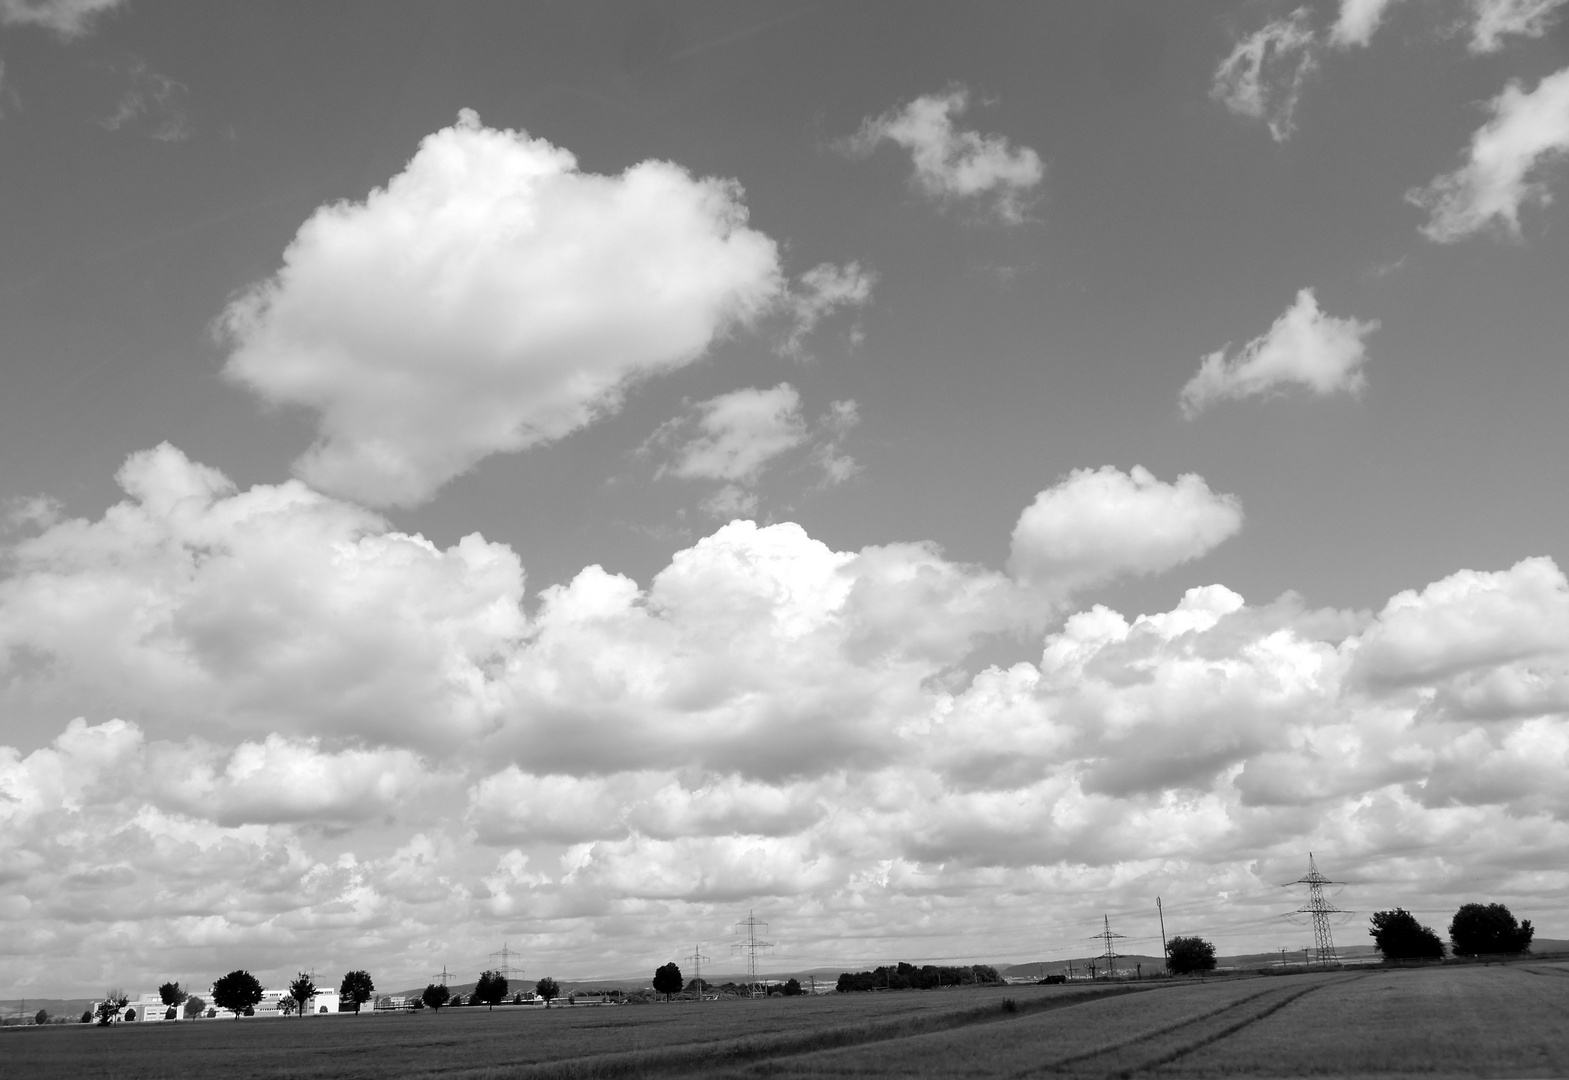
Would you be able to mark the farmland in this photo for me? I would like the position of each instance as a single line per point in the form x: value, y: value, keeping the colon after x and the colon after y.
x: 1508, y: 1020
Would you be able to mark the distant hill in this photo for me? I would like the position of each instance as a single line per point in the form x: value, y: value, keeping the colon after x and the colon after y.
x: 28, y: 1008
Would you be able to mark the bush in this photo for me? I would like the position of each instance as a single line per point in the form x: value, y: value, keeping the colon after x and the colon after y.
x: 1400, y: 937
x: 87, y: 1016
x: 1185, y: 955
x: 1480, y: 929
x: 41, y: 1016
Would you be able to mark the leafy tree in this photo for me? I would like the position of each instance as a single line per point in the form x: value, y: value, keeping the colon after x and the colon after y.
x: 457, y: 999
x: 1185, y: 955
x: 491, y: 988
x: 41, y: 1016
x: 110, y: 1006
x: 357, y: 988
x: 1478, y: 929
x: 548, y: 989
x: 171, y: 994
x: 301, y: 990
x: 237, y: 992
x: 1400, y: 937
x: 435, y: 996
x: 668, y: 980
x: 193, y: 1007
x: 288, y: 1006
x: 792, y: 988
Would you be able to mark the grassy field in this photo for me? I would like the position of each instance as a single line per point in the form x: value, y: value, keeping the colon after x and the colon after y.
x: 1499, y: 1021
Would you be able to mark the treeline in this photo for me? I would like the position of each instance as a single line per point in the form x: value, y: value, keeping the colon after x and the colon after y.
x: 904, y: 976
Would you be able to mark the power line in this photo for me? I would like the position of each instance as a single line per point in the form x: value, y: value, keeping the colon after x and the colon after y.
x: 506, y: 969
x: 747, y: 928
x: 1110, y: 954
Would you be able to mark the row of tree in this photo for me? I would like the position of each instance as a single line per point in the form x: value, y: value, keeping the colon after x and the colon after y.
x: 1475, y: 930
x: 491, y: 990
x: 903, y: 976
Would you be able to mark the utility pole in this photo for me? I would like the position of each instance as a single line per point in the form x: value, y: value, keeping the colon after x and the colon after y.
x: 1110, y: 954
x: 1165, y: 950
x: 697, y: 959
x: 747, y: 928
x: 1319, y: 909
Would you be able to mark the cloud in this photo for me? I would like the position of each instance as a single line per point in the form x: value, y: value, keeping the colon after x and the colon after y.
x: 1358, y: 20
x: 276, y: 609
x: 823, y: 290
x: 765, y: 723
x: 1099, y: 524
x: 490, y: 298
x: 733, y: 437
x: 1263, y: 76
x: 955, y: 166
x: 67, y: 18
x: 1504, y: 166
x: 1304, y: 347
x: 1499, y: 19
x: 154, y: 102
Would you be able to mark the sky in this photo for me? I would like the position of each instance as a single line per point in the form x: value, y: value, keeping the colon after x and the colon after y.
x: 934, y: 476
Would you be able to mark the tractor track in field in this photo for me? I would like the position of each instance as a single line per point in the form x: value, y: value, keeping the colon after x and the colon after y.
x: 1221, y: 1023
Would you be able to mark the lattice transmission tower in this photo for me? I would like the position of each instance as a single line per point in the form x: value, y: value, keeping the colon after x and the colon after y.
x: 697, y: 959
x: 1110, y: 955
x: 748, y: 928
x: 1319, y: 908
x: 444, y: 976
x: 506, y: 968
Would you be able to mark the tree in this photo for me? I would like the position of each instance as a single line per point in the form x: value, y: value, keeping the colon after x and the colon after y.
x: 41, y: 1016
x: 668, y: 980
x: 171, y: 994
x: 1185, y: 955
x: 435, y: 996
x: 491, y: 988
x: 792, y: 988
x: 236, y: 992
x: 193, y: 1007
x: 110, y: 1006
x: 87, y: 1016
x: 1478, y: 929
x: 301, y: 990
x: 548, y: 989
x: 357, y: 988
x: 288, y: 1006
x: 1400, y: 937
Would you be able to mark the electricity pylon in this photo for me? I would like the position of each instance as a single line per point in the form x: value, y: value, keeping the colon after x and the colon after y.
x: 444, y: 976
x: 747, y: 928
x: 1110, y: 954
x: 506, y: 969
x: 1320, y: 909
x: 697, y: 959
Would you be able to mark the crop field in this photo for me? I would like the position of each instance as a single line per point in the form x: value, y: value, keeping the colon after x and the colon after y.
x: 1497, y: 1021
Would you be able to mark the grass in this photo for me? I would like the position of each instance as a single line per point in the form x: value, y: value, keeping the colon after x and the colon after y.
x: 1509, y: 1020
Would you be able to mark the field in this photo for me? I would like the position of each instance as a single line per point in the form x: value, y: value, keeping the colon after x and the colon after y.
x: 1495, y: 1021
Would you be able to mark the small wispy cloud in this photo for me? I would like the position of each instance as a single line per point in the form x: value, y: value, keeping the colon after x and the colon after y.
x: 1263, y: 76
x: 1495, y: 20
x: 67, y: 18
x: 1504, y: 164
x: 153, y: 101
x: 820, y: 292
x: 952, y: 165
x: 1304, y: 348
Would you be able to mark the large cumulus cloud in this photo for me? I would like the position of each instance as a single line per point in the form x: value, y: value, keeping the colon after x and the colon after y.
x: 490, y: 298
x: 609, y: 767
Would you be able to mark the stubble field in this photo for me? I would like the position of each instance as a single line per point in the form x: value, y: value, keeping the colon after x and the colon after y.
x: 1498, y: 1021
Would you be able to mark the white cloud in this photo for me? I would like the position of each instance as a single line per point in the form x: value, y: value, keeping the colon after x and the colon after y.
x: 490, y: 298
x: 1358, y: 20
x: 1304, y: 347
x: 821, y: 291
x: 271, y: 610
x: 766, y: 723
x: 1499, y: 19
x: 1263, y: 76
x: 152, y: 102
x: 954, y: 166
x: 68, y: 18
x: 1504, y: 166
x: 733, y: 437
x: 1099, y: 524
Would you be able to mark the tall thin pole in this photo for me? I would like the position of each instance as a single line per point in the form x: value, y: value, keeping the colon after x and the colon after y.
x: 1165, y: 950
x: 1319, y: 909
x: 697, y: 959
